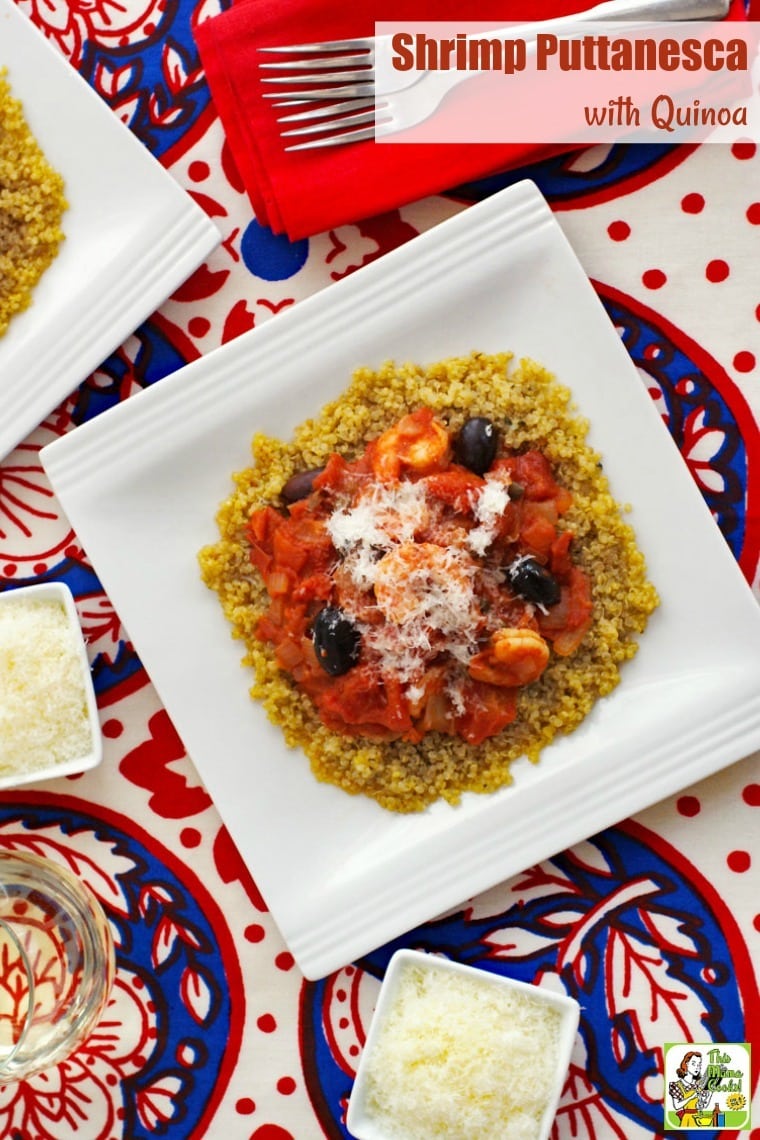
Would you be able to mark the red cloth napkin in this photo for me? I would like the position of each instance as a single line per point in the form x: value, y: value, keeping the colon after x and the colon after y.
x: 301, y: 193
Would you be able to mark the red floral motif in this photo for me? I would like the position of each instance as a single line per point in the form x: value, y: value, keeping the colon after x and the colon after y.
x: 633, y: 964
x: 24, y: 498
x: 70, y: 24
x: 33, y: 530
x: 379, y: 235
x: 14, y: 992
x: 101, y: 625
x: 584, y: 1114
x: 126, y: 109
x: 231, y: 867
x: 149, y: 766
x: 674, y: 1012
x: 110, y: 81
x: 156, y: 1105
x: 701, y: 445
x: 165, y: 937
x: 240, y: 319
x: 96, y: 863
x: 202, y: 284
x: 86, y: 1089
x: 196, y: 995
x: 161, y: 111
x: 88, y: 1086
x: 87, y: 1094
x: 213, y: 208
x: 177, y: 68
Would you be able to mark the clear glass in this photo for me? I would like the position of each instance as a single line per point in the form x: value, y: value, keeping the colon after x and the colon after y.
x: 56, y: 964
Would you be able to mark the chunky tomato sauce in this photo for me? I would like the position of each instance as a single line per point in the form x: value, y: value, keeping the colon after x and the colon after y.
x: 419, y: 587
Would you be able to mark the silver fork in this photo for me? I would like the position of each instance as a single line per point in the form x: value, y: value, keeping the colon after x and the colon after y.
x: 352, y: 81
x: 358, y: 68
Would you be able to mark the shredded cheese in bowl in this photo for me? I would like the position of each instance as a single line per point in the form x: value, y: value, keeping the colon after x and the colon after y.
x: 458, y: 1052
x: 48, y: 718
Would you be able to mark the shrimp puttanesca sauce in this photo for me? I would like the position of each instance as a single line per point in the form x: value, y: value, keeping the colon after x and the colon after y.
x: 419, y: 587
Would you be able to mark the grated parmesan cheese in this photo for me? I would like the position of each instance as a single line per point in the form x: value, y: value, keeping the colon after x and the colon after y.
x: 383, y: 517
x: 375, y: 538
x: 491, y: 502
x: 461, y: 1058
x: 43, y: 705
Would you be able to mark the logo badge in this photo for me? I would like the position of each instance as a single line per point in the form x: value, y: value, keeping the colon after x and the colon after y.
x: 708, y: 1085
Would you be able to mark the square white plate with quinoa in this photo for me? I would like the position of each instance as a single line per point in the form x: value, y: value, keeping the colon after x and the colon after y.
x: 131, y: 234
x: 340, y: 874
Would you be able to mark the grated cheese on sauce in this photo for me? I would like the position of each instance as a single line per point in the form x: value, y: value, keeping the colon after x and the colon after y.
x: 43, y: 705
x: 491, y: 502
x: 461, y: 1058
x: 433, y: 597
x: 432, y: 605
x: 383, y: 517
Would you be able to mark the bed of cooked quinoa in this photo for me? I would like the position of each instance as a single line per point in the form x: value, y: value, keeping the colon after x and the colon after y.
x: 32, y: 204
x: 530, y: 408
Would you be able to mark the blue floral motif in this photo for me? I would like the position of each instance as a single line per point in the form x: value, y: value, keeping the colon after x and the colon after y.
x: 686, y: 390
x: 124, y: 667
x: 560, y: 183
x: 164, y: 112
x: 154, y: 358
x: 628, y: 894
x: 183, y: 1049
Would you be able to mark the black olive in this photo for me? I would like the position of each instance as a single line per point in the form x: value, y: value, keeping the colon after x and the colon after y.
x: 475, y: 446
x: 532, y: 581
x: 300, y: 485
x: 516, y: 491
x: 337, y: 641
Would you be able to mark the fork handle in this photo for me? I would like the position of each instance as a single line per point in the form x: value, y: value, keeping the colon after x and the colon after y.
x: 439, y: 83
x: 654, y: 10
x: 633, y: 10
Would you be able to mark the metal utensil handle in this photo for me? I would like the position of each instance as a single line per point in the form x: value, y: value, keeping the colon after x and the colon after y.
x: 438, y: 83
x: 669, y: 11
x: 655, y: 10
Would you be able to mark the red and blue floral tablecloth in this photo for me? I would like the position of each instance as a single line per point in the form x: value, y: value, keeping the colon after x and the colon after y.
x: 654, y: 924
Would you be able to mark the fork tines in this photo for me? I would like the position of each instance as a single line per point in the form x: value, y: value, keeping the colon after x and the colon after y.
x: 310, y: 68
x: 316, y: 63
x: 325, y: 47
x: 349, y: 121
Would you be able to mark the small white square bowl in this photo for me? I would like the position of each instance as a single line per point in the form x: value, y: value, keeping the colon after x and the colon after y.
x: 60, y: 593
x: 362, y: 1122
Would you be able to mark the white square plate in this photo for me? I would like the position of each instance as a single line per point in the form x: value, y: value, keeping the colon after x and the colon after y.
x: 142, y: 483
x: 132, y: 234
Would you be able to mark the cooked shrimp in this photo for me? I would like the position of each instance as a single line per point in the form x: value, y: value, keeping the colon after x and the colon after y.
x: 417, y: 443
x: 512, y: 657
x: 417, y: 580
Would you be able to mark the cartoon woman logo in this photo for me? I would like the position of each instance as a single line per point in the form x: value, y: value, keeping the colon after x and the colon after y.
x: 688, y: 1094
